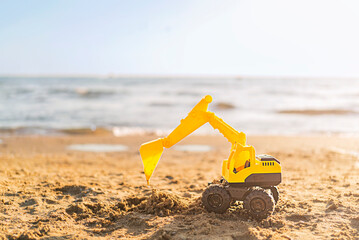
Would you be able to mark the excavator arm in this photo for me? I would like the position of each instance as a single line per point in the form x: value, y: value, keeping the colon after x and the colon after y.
x: 151, y: 151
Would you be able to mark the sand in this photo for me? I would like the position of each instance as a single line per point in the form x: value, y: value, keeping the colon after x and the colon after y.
x: 48, y: 191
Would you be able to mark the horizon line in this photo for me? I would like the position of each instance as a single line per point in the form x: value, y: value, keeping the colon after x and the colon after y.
x: 172, y: 76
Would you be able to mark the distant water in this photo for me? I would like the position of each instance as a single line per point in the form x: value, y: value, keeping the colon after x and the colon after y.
x: 254, y: 106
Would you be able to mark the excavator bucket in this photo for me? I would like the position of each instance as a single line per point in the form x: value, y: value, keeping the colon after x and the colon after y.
x: 150, y: 154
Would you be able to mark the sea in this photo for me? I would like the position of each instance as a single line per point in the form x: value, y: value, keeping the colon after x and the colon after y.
x: 140, y: 105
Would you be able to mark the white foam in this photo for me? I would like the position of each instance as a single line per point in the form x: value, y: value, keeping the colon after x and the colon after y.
x: 193, y: 148
x: 124, y: 131
x: 98, y: 147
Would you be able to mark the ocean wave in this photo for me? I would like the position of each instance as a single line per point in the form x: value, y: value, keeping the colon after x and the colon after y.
x: 84, y: 92
x: 188, y: 93
x: 115, y: 131
x: 126, y: 131
x: 85, y: 131
x: 5, y: 131
x: 318, y: 112
x: 224, y: 106
x: 90, y: 93
x: 161, y: 104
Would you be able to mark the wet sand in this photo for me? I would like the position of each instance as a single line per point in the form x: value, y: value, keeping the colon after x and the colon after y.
x: 49, y: 191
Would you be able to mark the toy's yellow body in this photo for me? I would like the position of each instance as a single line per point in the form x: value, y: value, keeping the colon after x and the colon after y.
x: 242, y: 167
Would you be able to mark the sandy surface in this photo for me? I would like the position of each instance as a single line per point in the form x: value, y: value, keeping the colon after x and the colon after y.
x: 49, y: 192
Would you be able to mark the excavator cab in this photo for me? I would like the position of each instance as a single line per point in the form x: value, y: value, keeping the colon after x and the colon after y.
x: 245, y: 176
x: 242, y: 162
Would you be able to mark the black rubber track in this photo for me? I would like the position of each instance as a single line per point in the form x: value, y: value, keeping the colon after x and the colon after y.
x: 259, y: 203
x: 216, y: 198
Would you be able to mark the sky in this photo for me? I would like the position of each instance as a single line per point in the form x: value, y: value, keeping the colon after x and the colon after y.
x: 311, y: 38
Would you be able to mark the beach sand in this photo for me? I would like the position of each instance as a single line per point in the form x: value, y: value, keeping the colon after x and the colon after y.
x: 48, y: 191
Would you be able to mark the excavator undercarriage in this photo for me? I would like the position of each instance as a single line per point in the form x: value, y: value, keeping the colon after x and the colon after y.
x: 245, y: 176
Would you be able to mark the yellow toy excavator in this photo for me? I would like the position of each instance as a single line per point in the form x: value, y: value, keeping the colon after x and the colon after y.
x: 245, y: 176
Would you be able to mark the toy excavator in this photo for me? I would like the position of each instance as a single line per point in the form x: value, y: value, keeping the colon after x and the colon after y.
x: 245, y: 176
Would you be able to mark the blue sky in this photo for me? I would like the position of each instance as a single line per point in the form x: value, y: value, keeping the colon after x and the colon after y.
x: 223, y: 37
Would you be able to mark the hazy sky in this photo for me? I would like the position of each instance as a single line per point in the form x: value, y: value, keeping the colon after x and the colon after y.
x: 276, y: 38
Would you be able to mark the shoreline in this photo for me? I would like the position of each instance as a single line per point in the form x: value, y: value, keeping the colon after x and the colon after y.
x: 138, y: 131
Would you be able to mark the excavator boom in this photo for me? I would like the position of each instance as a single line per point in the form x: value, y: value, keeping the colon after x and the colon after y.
x: 151, y: 151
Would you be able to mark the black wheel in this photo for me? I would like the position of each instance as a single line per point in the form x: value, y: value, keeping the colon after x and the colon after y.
x: 275, y: 193
x: 216, y: 199
x: 259, y: 203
